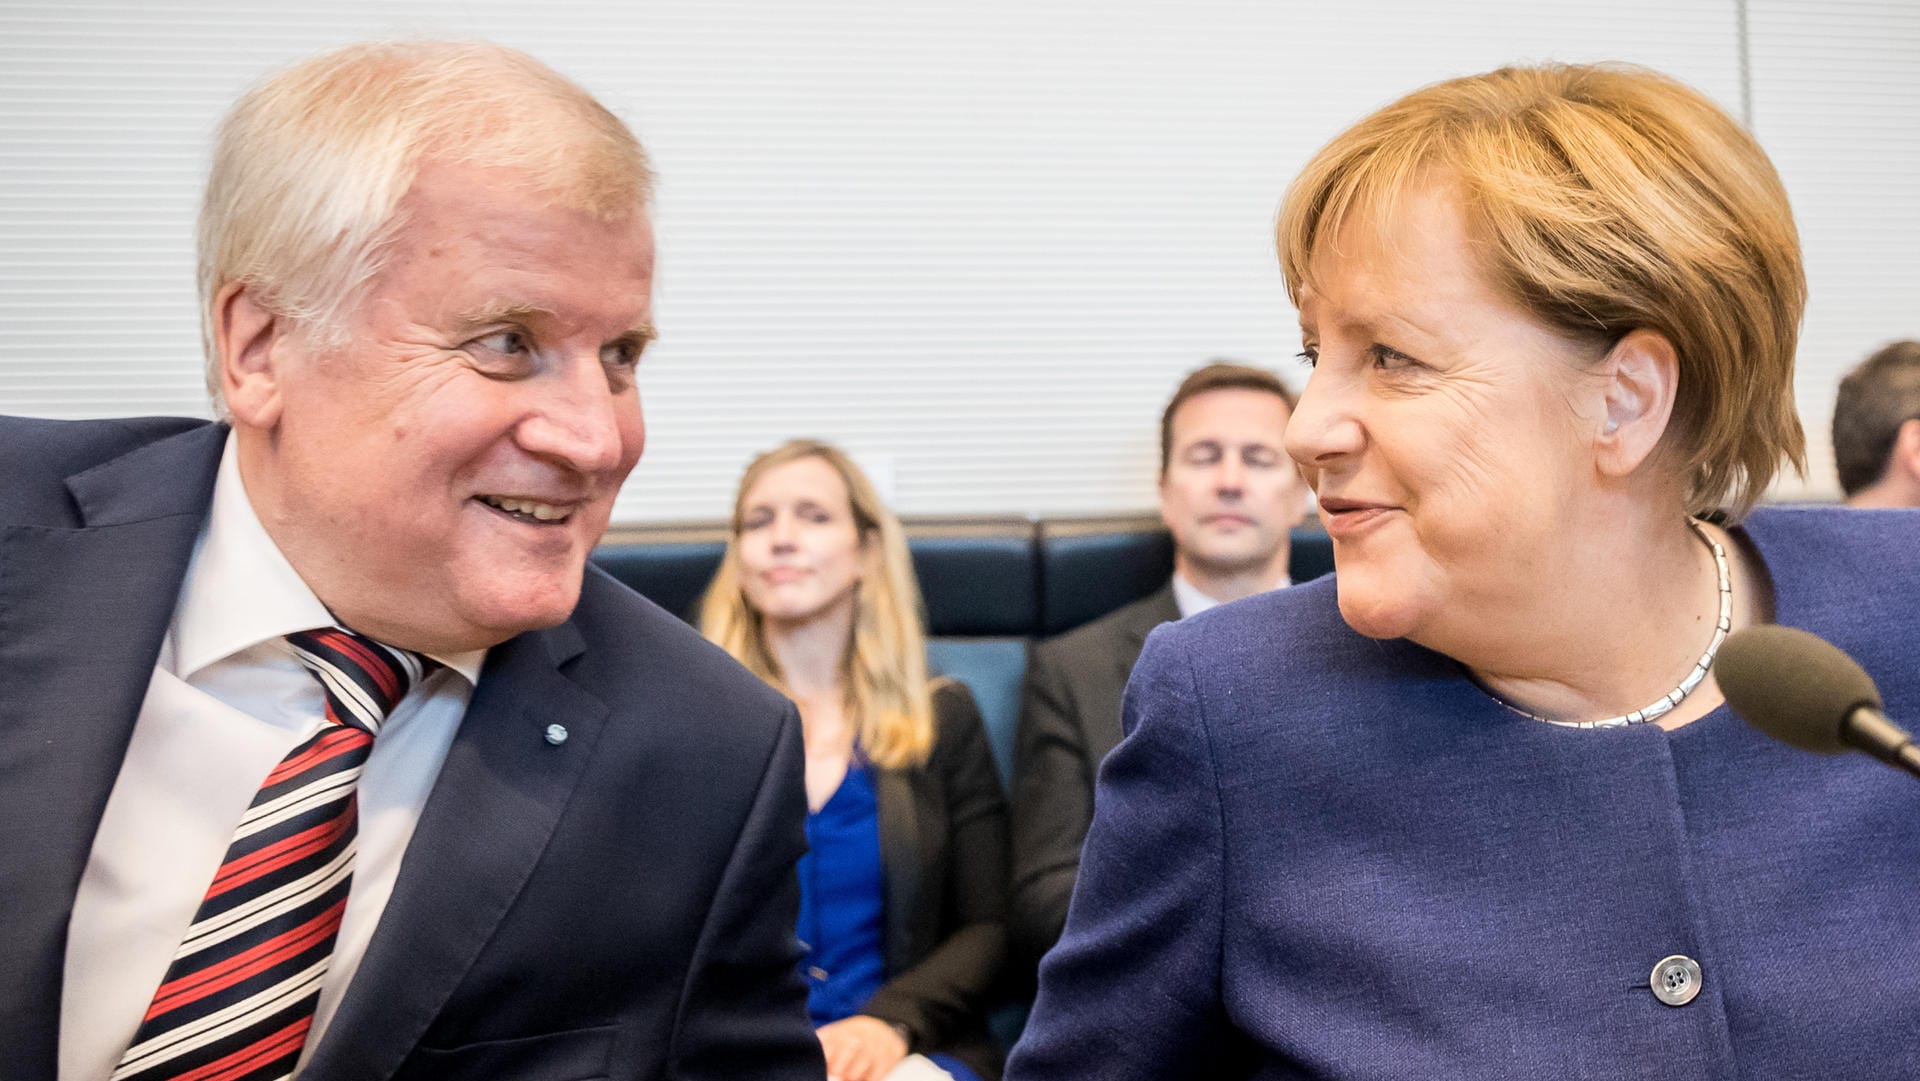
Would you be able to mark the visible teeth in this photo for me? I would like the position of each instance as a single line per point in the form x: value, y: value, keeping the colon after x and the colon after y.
x: 545, y: 512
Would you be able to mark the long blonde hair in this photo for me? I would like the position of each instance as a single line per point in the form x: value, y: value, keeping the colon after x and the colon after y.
x: 884, y: 669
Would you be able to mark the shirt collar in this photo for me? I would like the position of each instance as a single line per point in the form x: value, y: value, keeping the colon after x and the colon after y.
x: 1191, y: 602
x: 240, y: 590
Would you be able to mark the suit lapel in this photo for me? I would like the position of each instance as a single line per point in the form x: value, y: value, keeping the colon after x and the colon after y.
x: 1159, y: 608
x: 899, y: 859
x: 493, y: 809
x: 1140, y: 620
x: 82, y: 615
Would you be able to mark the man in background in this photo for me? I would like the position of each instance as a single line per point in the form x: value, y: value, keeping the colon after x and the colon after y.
x: 1229, y: 495
x: 1876, y: 429
x: 321, y: 747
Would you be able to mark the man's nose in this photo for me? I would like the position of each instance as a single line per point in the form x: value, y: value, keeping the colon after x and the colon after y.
x: 577, y: 419
x: 1230, y: 475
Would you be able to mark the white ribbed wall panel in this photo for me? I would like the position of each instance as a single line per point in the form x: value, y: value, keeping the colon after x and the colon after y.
x: 1837, y: 103
x: 977, y: 243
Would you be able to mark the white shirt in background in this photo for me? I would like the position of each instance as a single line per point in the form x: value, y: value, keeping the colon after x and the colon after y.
x: 1192, y: 602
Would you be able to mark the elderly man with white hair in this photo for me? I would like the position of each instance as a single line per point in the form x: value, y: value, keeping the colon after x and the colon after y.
x: 321, y: 749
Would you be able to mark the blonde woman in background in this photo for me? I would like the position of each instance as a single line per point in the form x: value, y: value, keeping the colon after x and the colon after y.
x: 903, y: 894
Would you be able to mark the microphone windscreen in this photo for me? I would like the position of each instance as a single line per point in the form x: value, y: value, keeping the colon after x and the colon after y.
x: 1794, y: 686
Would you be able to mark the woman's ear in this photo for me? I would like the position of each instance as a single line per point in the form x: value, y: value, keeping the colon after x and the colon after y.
x: 245, y: 334
x: 1642, y: 375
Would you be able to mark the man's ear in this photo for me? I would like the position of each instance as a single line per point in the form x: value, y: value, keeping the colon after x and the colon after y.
x: 1642, y: 375
x: 1905, y: 459
x: 246, y: 338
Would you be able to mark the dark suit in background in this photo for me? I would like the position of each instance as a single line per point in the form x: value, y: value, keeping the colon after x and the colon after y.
x: 1069, y: 720
x: 621, y: 904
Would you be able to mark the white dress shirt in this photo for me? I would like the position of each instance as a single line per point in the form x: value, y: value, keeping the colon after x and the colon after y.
x: 1191, y: 602
x: 227, y: 701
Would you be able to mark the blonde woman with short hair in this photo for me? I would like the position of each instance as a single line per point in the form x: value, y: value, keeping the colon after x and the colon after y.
x: 1474, y: 806
x: 903, y: 895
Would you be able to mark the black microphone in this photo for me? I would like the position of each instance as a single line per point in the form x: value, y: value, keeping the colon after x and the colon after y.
x: 1801, y: 689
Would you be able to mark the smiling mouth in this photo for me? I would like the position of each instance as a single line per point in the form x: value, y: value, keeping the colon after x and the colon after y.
x: 529, y: 511
x: 1347, y: 518
x: 1336, y: 505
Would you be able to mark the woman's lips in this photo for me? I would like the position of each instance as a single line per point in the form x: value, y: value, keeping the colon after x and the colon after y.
x: 1351, y: 517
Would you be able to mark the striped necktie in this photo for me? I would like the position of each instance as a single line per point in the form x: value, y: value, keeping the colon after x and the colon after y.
x: 238, y: 1000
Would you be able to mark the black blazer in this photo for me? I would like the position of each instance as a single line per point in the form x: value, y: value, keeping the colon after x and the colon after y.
x: 1069, y: 720
x: 943, y: 850
x: 618, y: 906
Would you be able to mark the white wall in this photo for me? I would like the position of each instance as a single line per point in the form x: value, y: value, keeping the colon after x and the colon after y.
x: 1836, y: 101
x: 978, y: 243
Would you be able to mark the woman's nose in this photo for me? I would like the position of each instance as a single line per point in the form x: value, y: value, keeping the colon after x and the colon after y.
x: 1325, y: 425
x: 782, y: 533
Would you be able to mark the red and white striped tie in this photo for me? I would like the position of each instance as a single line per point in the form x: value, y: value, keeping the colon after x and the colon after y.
x: 238, y: 1000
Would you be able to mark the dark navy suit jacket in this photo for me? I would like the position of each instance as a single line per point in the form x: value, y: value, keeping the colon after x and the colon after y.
x: 619, y: 905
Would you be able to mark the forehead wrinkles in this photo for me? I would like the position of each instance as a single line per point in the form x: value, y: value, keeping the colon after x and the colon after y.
x: 1422, y: 269
x: 536, y: 264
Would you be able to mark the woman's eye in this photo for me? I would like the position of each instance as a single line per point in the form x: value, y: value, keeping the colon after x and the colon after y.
x: 1310, y: 356
x: 1390, y: 359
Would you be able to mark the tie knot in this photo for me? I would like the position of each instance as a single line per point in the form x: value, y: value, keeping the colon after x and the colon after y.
x: 363, y: 679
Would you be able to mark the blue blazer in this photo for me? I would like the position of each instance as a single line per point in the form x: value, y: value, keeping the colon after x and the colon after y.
x: 621, y: 905
x: 1316, y: 855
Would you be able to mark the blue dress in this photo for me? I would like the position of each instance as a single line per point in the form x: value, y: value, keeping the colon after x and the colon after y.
x: 1317, y: 855
x: 842, y: 901
x: 843, y: 906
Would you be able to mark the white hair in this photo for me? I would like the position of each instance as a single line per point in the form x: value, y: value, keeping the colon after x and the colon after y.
x: 310, y: 166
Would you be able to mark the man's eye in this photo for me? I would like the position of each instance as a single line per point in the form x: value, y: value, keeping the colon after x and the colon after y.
x: 622, y: 354
x: 510, y: 342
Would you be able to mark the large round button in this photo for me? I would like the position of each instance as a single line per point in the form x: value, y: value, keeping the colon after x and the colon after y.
x: 1676, y: 980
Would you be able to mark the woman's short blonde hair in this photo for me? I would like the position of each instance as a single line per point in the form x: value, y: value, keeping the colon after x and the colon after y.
x: 885, y: 666
x: 309, y: 167
x: 1606, y: 198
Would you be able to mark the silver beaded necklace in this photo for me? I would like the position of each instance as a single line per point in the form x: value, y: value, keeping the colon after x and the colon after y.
x: 1665, y: 704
